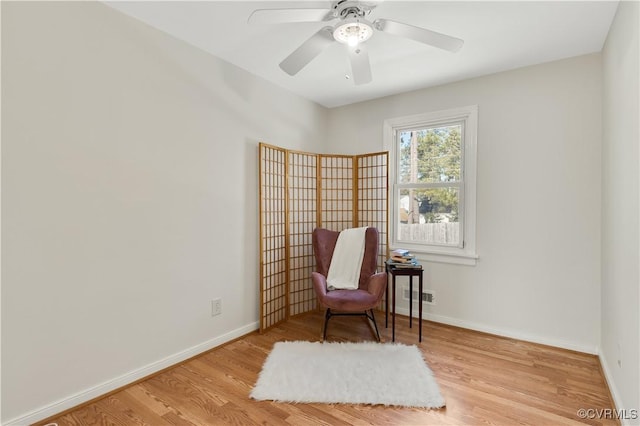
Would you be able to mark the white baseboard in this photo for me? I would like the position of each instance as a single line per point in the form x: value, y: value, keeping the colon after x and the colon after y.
x: 514, y: 334
x: 615, y: 394
x: 118, y: 382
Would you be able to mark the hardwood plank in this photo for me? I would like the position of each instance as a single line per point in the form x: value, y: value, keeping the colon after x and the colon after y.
x: 484, y: 379
x: 145, y: 398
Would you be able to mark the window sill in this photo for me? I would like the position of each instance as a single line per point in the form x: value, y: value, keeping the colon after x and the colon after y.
x: 457, y: 258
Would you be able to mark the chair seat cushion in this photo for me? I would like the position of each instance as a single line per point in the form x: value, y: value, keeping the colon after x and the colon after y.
x: 350, y: 300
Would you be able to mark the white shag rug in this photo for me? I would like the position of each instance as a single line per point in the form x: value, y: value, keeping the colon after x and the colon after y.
x: 351, y: 373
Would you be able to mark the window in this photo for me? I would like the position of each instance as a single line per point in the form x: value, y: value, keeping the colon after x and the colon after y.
x: 433, y: 160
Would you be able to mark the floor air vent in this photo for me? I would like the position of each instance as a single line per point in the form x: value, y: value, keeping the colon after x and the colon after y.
x: 428, y: 296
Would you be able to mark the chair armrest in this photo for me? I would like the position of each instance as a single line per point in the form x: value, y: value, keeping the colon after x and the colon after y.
x: 377, y: 284
x: 320, y: 286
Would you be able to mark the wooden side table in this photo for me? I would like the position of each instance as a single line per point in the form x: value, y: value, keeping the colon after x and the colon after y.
x: 411, y: 272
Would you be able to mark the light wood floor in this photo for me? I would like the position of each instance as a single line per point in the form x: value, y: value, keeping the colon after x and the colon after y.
x: 484, y: 379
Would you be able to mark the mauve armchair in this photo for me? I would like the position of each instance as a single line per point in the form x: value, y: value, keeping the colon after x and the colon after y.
x: 371, y: 286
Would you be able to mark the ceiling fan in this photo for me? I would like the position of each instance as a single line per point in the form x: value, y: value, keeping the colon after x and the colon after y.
x: 351, y: 29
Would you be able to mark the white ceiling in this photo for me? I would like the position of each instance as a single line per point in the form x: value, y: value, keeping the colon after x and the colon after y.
x: 498, y: 36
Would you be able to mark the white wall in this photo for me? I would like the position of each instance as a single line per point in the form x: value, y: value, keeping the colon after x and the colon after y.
x: 538, y: 191
x: 620, y: 350
x: 129, y: 185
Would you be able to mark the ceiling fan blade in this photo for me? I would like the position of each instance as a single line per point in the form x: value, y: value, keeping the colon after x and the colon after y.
x: 281, y: 16
x: 422, y: 35
x: 308, y: 50
x: 360, y: 67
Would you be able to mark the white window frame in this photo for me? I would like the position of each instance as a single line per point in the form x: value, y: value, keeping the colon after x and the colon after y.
x: 465, y: 253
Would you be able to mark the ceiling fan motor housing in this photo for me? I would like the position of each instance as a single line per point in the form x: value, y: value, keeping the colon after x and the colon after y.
x: 345, y: 9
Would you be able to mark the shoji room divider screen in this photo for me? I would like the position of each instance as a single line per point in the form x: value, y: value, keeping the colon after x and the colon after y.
x: 300, y: 191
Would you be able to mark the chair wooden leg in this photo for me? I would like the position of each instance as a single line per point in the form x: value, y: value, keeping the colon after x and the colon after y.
x: 373, y: 319
x: 327, y: 315
x: 369, y: 314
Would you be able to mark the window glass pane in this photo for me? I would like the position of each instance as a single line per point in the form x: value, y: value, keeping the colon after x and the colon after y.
x: 429, y: 216
x: 430, y: 155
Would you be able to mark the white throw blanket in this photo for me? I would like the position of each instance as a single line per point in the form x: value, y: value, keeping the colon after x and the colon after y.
x: 344, y: 271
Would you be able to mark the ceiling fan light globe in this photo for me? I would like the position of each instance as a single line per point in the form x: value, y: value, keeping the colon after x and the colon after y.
x: 353, y: 31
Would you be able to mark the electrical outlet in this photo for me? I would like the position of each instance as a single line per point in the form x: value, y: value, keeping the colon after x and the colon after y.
x: 216, y: 307
x: 619, y: 355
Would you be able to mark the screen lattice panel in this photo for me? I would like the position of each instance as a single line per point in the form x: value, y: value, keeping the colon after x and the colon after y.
x: 373, y: 198
x: 303, y: 207
x: 336, y: 192
x: 273, y: 257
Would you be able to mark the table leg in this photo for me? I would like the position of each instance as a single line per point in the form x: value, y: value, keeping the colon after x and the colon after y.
x: 386, y: 304
x: 420, y: 305
x: 393, y: 313
x: 410, y: 299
